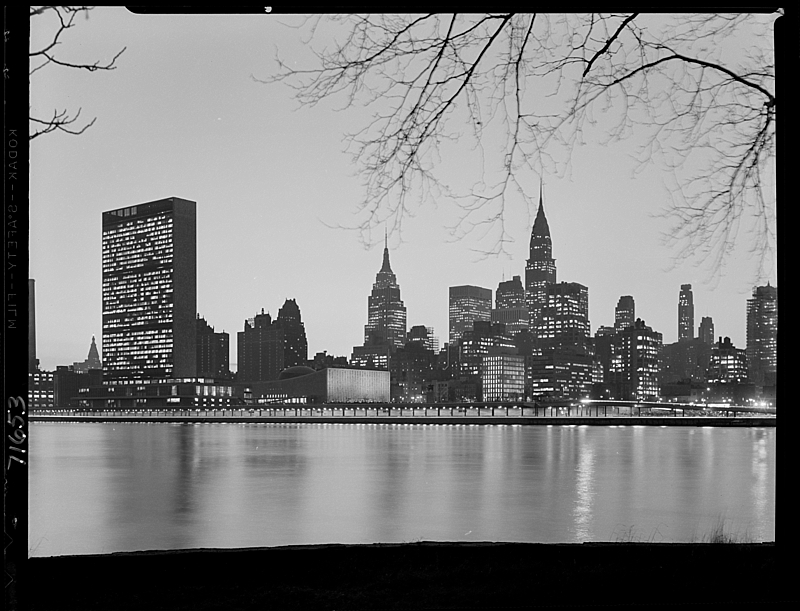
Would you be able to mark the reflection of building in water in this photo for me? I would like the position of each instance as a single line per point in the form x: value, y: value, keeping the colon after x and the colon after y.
x: 333, y: 385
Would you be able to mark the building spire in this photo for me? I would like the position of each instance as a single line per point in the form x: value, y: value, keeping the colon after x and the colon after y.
x: 386, y: 266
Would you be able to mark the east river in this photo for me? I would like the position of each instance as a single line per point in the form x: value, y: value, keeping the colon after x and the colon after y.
x: 107, y: 487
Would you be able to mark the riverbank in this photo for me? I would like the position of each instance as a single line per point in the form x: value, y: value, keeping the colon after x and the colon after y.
x: 422, y: 575
x: 730, y: 421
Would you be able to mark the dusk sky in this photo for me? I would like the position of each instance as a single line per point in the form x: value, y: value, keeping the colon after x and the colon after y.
x: 182, y: 116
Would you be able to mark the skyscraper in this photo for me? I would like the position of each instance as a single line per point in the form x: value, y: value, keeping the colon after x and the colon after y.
x: 541, y: 268
x: 625, y: 314
x: 150, y: 291
x: 468, y: 304
x: 762, y: 335
x: 706, y: 330
x: 259, y: 350
x: 295, y: 344
x: 685, y: 313
x: 213, y: 352
x: 386, y: 314
x: 565, y: 317
x: 92, y: 360
x: 510, y: 308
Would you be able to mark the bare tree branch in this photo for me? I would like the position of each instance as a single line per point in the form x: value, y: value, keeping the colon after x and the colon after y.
x: 61, y: 120
x: 701, y: 107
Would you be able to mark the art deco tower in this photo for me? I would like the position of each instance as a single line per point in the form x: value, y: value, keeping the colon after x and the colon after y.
x: 540, y: 271
x: 386, y: 318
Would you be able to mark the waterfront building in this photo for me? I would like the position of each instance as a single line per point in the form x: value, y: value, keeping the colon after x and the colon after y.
x: 762, y: 335
x: 540, y: 271
x: 502, y: 377
x: 259, y: 350
x: 727, y: 364
x: 41, y: 391
x: 564, y: 371
x: 625, y: 313
x: 331, y: 385
x: 149, y: 291
x: 33, y: 362
x: 685, y: 361
x: 635, y: 366
x: 412, y: 369
x: 467, y: 304
x: 160, y: 394
x: 213, y: 352
x: 685, y: 313
x: 68, y: 382
x: 386, y: 313
x: 706, y: 330
x: 295, y: 343
x: 92, y: 360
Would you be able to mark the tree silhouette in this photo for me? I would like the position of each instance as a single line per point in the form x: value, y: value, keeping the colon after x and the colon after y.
x: 696, y: 91
x: 64, y: 19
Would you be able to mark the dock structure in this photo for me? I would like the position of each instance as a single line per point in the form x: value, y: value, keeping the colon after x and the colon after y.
x: 587, y: 412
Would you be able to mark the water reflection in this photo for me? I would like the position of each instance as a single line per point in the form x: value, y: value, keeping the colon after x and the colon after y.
x: 103, y: 487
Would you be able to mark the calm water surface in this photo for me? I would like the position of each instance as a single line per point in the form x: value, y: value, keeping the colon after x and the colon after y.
x: 98, y: 488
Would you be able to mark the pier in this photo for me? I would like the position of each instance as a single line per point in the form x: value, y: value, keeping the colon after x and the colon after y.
x: 587, y: 412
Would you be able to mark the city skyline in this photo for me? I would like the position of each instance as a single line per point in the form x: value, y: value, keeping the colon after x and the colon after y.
x: 270, y: 181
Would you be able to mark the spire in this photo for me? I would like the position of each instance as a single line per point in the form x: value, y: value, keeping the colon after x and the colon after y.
x: 540, y: 226
x: 386, y: 267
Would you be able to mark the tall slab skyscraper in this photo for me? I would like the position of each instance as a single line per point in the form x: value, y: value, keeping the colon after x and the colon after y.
x: 150, y: 291
x: 762, y: 335
x: 685, y: 313
x: 540, y: 272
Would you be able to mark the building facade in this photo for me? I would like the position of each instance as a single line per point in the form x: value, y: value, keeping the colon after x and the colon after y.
x: 386, y: 313
x: 540, y: 271
x: 213, y: 352
x: 565, y: 317
x: 510, y: 308
x: 150, y: 291
x: 295, y: 343
x: 625, y: 313
x: 467, y: 304
x: 635, y: 365
x: 762, y: 335
x: 705, y: 332
x: 259, y: 350
x: 685, y: 313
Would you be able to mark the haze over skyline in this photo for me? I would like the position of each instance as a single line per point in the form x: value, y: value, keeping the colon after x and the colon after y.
x: 182, y: 116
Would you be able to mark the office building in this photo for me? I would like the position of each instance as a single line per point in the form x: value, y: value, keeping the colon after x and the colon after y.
x: 149, y: 291
x: 510, y: 308
x: 295, y: 343
x: 467, y: 304
x: 685, y: 313
x: 503, y: 377
x: 728, y: 364
x: 635, y: 365
x: 540, y: 271
x: 706, y: 330
x: 386, y: 313
x: 213, y: 352
x: 762, y: 335
x: 625, y: 313
x: 564, y: 318
x: 259, y: 350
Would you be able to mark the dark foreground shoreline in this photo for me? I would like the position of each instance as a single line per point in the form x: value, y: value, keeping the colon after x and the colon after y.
x: 423, y: 575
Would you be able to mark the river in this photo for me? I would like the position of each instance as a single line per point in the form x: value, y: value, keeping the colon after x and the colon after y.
x: 107, y: 487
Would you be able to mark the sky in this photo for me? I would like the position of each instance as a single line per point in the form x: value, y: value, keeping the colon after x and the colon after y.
x: 183, y: 116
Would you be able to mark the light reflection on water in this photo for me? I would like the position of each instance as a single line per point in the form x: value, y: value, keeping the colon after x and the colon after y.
x: 131, y: 486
